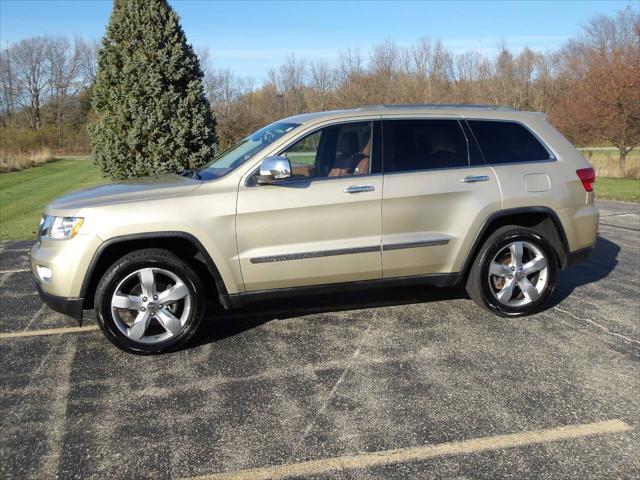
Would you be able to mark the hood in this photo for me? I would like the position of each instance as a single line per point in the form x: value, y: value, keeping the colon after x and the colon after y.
x: 133, y: 190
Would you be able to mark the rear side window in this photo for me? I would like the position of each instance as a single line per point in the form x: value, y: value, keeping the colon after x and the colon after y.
x: 411, y: 145
x: 507, y: 142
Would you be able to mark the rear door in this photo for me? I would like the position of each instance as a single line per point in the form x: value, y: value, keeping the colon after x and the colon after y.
x: 437, y: 192
x: 323, y: 225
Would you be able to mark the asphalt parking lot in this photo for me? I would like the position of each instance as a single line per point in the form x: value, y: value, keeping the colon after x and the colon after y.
x: 390, y: 384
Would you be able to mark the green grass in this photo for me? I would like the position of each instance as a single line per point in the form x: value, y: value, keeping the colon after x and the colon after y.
x: 624, y: 189
x: 606, y: 163
x: 24, y: 194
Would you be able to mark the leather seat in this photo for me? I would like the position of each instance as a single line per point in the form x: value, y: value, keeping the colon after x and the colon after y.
x: 350, y: 160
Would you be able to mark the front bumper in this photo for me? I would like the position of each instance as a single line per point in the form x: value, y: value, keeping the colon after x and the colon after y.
x: 66, y: 306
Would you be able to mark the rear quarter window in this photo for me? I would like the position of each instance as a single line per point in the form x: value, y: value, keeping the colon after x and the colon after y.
x: 507, y: 142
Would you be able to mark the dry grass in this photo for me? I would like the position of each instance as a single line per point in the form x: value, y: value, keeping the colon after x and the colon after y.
x: 12, y: 161
x: 606, y: 163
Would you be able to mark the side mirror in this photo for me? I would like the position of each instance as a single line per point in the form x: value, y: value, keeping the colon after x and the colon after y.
x: 272, y: 169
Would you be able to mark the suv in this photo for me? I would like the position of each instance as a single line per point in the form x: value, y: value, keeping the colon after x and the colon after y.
x: 488, y: 197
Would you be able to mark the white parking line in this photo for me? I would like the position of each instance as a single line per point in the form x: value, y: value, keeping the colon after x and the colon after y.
x: 386, y: 457
x: 48, y: 331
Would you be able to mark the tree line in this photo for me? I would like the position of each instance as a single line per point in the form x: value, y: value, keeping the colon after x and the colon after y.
x: 589, y: 87
x: 45, y: 85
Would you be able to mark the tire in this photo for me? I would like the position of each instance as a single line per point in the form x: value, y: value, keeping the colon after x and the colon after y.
x: 137, y: 322
x: 509, y: 287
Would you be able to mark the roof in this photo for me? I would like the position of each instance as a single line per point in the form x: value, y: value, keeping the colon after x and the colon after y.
x: 460, y: 110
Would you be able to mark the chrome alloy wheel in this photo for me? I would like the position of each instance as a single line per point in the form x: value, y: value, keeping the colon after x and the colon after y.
x: 151, y: 305
x: 518, y: 274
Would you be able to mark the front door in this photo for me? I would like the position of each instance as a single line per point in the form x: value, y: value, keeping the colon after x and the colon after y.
x: 321, y: 226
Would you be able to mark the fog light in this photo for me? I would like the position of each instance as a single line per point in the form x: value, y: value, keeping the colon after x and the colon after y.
x: 44, y: 273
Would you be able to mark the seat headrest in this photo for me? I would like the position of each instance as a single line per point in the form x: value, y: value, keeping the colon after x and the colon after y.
x: 348, y: 144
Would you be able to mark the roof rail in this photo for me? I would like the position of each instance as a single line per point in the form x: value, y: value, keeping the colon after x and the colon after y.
x: 439, y: 105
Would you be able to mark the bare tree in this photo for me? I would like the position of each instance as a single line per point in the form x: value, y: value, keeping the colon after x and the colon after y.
x: 289, y: 81
x: 87, y: 56
x: 63, y: 67
x: 350, y: 64
x: 602, y: 100
x: 7, y: 89
x: 29, y: 59
x: 322, y: 84
x: 385, y: 59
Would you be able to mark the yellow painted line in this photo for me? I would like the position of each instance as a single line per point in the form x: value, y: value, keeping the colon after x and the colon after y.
x: 48, y: 331
x: 15, y: 270
x: 386, y: 457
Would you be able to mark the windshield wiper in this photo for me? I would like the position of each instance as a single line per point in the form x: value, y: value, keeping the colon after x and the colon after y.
x: 191, y: 174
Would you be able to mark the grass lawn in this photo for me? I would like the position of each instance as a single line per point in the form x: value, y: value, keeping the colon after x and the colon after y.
x: 624, y: 189
x: 24, y: 194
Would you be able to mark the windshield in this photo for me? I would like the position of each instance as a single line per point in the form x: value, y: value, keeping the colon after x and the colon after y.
x: 235, y: 156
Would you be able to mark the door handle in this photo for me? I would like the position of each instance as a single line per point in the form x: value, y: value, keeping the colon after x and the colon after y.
x: 475, y: 178
x: 358, y: 189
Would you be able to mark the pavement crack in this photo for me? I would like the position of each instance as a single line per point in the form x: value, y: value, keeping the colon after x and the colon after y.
x: 35, y: 315
x: 618, y: 214
x: 331, y: 394
x: 600, y: 327
x: 620, y: 226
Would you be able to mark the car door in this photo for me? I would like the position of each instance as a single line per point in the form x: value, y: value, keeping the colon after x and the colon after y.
x: 323, y: 225
x: 437, y: 192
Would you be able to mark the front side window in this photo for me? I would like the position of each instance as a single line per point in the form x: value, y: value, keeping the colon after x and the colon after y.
x: 235, y: 156
x: 334, y: 151
x: 507, y: 142
x: 411, y: 145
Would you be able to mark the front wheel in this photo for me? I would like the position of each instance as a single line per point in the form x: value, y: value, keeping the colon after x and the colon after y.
x: 149, y: 301
x: 514, y: 273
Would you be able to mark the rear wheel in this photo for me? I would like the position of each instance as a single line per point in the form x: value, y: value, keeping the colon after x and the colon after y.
x: 514, y: 273
x: 149, y: 301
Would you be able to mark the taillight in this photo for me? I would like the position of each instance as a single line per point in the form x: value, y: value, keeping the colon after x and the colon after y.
x: 588, y: 177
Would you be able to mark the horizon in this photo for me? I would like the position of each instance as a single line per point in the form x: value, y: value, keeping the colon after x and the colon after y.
x: 250, y: 45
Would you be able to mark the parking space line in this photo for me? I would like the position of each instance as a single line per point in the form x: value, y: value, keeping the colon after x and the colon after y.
x: 16, y: 270
x: 48, y: 331
x: 386, y: 457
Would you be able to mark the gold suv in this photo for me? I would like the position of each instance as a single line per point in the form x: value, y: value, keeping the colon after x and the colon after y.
x: 488, y: 197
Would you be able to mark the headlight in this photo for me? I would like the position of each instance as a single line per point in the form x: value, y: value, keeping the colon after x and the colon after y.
x: 59, y: 228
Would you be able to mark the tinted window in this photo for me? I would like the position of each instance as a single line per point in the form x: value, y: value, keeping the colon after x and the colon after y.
x: 423, y: 145
x: 507, y: 142
x: 335, y: 151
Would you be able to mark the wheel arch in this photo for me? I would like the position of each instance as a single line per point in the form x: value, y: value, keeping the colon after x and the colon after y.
x: 183, y: 244
x: 540, y: 219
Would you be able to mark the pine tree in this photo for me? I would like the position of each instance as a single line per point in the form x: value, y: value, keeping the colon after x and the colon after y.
x: 152, y: 113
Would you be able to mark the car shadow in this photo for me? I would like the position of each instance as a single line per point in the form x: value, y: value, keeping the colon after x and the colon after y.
x: 599, y: 265
x: 219, y: 323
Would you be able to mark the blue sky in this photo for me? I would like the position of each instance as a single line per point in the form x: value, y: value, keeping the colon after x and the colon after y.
x: 251, y: 37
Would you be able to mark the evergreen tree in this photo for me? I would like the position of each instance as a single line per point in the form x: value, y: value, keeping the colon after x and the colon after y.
x: 152, y: 113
